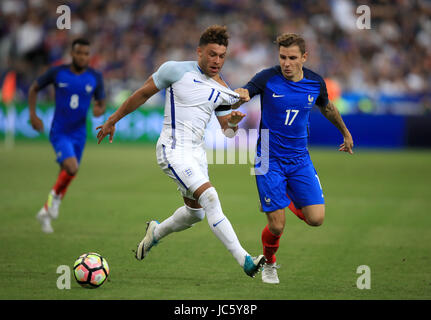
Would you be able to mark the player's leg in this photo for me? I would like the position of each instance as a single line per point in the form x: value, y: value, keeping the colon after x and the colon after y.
x: 271, y: 187
x: 305, y: 190
x: 64, y: 149
x: 175, y: 166
x: 183, y: 218
x: 69, y: 152
x: 222, y: 228
x: 58, y: 191
x: 314, y: 214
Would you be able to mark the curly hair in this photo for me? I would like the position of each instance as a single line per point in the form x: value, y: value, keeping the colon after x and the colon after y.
x: 215, y: 34
x: 290, y: 39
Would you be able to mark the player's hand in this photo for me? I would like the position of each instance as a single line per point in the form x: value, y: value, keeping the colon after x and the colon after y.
x: 105, y: 129
x: 347, y: 145
x: 236, y: 117
x: 36, y: 123
x: 244, y: 95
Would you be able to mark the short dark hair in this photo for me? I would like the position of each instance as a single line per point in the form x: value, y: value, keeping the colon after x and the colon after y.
x: 290, y: 39
x: 214, y: 34
x: 81, y: 41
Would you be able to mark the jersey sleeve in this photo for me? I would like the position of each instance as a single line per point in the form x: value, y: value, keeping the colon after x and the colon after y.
x: 257, y: 84
x: 168, y: 73
x: 222, y: 110
x: 47, y: 78
x: 99, y: 91
x: 322, y: 100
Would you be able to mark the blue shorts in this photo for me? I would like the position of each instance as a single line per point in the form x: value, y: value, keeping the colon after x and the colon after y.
x: 289, y: 180
x: 67, y: 146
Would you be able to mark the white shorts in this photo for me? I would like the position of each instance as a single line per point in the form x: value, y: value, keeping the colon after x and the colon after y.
x: 187, y: 167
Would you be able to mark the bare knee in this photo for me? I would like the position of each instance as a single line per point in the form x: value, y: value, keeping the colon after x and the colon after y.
x: 315, y: 221
x: 276, y: 228
x: 276, y: 222
x: 70, y: 165
x: 314, y: 215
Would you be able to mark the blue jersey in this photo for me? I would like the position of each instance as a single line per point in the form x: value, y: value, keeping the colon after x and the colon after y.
x: 285, y: 109
x: 73, y: 93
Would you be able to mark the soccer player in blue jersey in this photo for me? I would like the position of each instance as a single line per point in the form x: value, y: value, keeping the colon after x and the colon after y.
x: 75, y: 85
x: 288, y: 92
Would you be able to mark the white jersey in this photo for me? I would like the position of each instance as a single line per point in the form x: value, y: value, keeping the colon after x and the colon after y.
x: 191, y: 98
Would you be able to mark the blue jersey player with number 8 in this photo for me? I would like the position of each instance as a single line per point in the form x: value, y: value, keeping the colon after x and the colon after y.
x: 75, y: 86
x: 288, y: 92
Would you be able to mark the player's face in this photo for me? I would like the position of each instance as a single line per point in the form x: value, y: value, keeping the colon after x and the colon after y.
x: 80, y: 56
x: 291, y: 61
x: 211, y: 58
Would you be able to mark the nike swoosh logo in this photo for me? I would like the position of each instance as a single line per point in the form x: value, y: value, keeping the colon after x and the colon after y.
x: 197, y: 81
x: 62, y: 85
x: 215, y: 224
x: 277, y: 96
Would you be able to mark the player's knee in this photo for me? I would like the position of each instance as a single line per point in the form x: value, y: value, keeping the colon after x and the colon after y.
x: 72, y: 170
x: 314, y: 215
x: 276, y: 228
x: 315, y: 221
x: 71, y: 167
x: 209, y: 199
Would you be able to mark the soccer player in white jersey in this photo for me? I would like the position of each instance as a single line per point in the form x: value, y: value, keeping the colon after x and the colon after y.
x: 194, y: 90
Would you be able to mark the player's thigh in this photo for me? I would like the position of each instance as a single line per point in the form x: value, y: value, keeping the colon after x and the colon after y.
x: 63, y: 147
x: 78, y: 147
x: 271, y: 187
x: 187, y: 173
x: 305, y: 190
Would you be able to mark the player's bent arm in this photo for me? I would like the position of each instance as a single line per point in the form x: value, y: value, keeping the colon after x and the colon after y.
x: 331, y: 113
x: 99, y: 107
x: 244, y: 97
x: 35, y: 121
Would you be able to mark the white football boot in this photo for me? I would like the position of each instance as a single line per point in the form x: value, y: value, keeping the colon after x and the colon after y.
x: 45, y: 220
x: 269, y: 273
x: 148, y: 242
x: 53, y: 204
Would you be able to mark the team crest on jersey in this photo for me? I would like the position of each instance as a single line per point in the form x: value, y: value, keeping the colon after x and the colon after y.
x: 88, y: 88
x: 310, y: 99
x: 188, y: 172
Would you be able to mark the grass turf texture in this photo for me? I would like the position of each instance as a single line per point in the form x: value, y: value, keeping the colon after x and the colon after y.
x: 377, y: 214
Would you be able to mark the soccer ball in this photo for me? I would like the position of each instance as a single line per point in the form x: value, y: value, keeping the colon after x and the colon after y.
x: 91, y: 270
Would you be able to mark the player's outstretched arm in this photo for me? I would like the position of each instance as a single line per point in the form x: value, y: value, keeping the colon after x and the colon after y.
x: 229, y: 123
x: 35, y: 121
x: 138, y: 98
x: 331, y: 113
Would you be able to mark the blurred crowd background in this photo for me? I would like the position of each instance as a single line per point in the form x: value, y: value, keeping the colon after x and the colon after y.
x: 385, y: 69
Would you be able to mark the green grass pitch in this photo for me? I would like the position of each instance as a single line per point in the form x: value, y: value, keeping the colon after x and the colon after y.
x: 377, y: 214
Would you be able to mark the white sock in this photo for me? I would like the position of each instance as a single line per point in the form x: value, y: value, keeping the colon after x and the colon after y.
x: 183, y: 218
x: 220, y: 225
